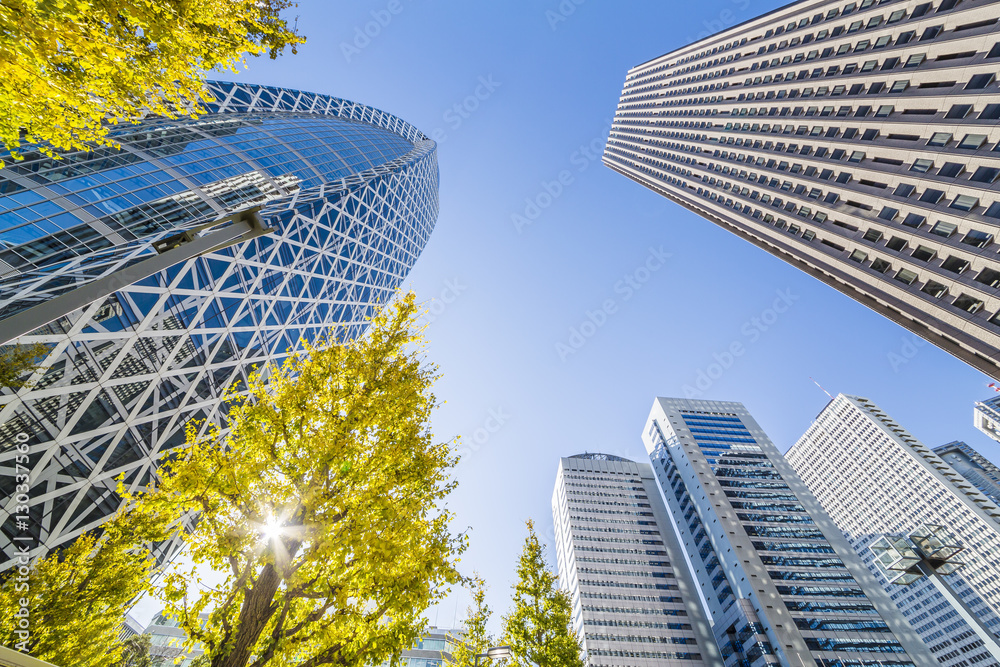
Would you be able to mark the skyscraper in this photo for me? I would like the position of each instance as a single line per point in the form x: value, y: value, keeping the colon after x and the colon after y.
x: 973, y: 466
x: 875, y: 478
x: 634, y: 600
x: 854, y: 140
x: 986, y: 417
x: 348, y: 197
x: 781, y: 583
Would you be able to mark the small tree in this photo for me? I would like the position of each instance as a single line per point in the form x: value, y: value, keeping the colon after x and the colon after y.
x: 537, y: 629
x: 67, y: 68
x: 321, y: 505
x: 76, y: 598
x: 17, y: 360
x: 477, y: 638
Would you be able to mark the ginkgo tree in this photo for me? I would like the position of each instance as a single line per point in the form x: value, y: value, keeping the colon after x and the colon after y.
x: 67, y: 607
x: 476, y: 638
x: 537, y: 629
x: 69, y: 69
x: 323, y: 505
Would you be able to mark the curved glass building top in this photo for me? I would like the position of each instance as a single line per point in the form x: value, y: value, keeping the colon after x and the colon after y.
x: 256, y: 143
x: 597, y: 456
x: 349, y: 197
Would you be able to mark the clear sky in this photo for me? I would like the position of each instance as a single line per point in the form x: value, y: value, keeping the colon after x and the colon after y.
x: 520, y: 96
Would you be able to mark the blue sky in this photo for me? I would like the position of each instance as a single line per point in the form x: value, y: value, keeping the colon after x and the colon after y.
x: 520, y: 96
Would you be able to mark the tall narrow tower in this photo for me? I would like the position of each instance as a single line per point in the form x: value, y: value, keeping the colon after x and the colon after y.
x: 854, y: 140
x: 634, y: 600
x: 781, y: 583
x: 875, y: 478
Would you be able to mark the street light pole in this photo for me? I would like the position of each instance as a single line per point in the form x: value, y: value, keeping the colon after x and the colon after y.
x: 928, y: 552
x: 495, y: 653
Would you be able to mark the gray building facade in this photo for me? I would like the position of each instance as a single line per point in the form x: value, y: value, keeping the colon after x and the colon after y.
x: 874, y: 478
x: 854, y: 140
x: 780, y: 581
x: 634, y: 600
x: 973, y: 466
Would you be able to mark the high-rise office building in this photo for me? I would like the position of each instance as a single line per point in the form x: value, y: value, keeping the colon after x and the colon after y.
x: 854, y: 140
x: 634, y: 599
x: 973, y: 466
x: 986, y: 417
x: 348, y: 197
x: 434, y: 649
x: 875, y: 478
x: 780, y: 581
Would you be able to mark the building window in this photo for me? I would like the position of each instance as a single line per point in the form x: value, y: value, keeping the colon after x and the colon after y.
x: 985, y: 175
x: 989, y: 277
x: 959, y: 111
x: 896, y: 243
x: 906, y: 276
x: 873, y: 235
x: 979, y: 81
x: 951, y: 169
x: 884, y: 110
x: 932, y: 196
x: 977, y: 238
x: 969, y: 304
x: 939, y: 139
x: 914, y: 220
x: 955, y: 264
x: 888, y: 213
x: 965, y: 202
x: 972, y: 141
x: 922, y: 165
x: 923, y: 253
x: 881, y: 266
x: 858, y: 256
x: 990, y: 112
x: 945, y: 229
x: 935, y: 289
x: 915, y: 60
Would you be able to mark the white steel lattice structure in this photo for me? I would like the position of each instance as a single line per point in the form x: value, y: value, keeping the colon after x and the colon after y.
x: 351, y: 194
x: 854, y: 139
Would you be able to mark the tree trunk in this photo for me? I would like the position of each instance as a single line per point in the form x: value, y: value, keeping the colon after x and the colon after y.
x: 254, y: 615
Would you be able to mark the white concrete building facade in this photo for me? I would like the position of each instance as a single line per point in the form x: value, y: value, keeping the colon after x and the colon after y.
x: 875, y: 478
x: 854, y: 139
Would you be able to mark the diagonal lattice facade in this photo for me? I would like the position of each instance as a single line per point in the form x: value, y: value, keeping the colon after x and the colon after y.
x: 351, y: 194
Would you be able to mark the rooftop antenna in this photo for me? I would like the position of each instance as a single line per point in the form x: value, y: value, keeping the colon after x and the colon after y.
x: 821, y: 388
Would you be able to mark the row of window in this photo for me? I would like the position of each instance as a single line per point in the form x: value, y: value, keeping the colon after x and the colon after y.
x: 871, y: 23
